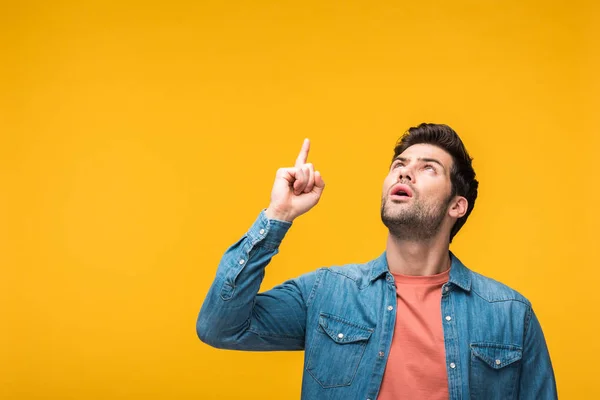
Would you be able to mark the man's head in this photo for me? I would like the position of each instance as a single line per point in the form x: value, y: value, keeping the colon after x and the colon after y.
x: 430, y: 186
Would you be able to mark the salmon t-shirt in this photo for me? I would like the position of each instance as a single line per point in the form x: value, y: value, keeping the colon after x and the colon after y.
x: 416, y: 366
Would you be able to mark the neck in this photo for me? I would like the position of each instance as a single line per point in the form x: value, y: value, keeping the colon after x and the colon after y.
x: 418, y: 258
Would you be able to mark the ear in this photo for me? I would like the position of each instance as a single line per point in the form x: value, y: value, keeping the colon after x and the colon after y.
x: 458, y: 207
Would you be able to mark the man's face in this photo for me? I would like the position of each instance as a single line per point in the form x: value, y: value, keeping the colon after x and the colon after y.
x: 416, y: 192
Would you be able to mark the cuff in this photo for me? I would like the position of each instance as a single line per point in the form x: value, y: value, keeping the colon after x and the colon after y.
x: 268, y: 232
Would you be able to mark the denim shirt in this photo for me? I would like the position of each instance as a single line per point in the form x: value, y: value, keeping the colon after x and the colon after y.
x: 343, y: 318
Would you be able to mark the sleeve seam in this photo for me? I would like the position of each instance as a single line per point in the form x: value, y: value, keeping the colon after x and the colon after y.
x: 527, y: 323
x: 313, y: 290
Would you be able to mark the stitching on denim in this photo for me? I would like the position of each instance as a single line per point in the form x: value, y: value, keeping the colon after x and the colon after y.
x: 273, y: 335
x: 342, y: 274
x: 230, y: 293
x: 527, y: 323
x: 499, y: 300
x: 362, y: 354
x: 525, y: 330
x: 326, y: 315
x: 497, y: 345
x: 484, y: 357
x: 313, y: 291
x: 363, y: 348
x: 323, y: 386
x: 491, y: 362
x: 475, y: 361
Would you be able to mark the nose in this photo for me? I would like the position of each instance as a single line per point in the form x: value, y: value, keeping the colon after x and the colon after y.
x: 405, y: 175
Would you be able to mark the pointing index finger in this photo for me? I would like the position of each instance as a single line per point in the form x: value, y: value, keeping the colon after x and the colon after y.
x: 303, y: 156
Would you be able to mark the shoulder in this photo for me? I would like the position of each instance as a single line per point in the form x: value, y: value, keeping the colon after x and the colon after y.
x: 493, y: 291
x: 359, y: 273
x: 351, y: 271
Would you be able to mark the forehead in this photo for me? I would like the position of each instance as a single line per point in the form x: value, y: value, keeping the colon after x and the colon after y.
x: 423, y: 150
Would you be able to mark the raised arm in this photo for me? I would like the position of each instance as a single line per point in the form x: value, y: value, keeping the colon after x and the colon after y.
x: 234, y: 315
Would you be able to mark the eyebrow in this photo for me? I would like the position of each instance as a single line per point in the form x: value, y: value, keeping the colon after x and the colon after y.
x: 424, y: 159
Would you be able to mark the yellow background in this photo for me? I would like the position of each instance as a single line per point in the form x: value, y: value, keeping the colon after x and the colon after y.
x: 140, y: 140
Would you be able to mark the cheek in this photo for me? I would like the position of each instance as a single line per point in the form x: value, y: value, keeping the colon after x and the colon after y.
x: 435, y: 190
x: 387, y: 184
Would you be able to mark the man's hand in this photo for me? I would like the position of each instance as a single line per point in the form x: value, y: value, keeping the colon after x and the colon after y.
x: 296, y: 190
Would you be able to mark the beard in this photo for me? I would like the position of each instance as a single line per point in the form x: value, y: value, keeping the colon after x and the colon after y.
x: 416, y: 221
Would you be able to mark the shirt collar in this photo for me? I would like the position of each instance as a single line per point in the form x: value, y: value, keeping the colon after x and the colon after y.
x: 379, y: 267
x: 459, y: 273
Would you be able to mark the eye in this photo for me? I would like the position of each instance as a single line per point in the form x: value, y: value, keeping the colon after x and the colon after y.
x: 397, y: 164
x: 429, y: 167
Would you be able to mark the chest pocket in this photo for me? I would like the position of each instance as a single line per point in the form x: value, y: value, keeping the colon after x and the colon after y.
x: 495, y: 370
x: 336, y: 350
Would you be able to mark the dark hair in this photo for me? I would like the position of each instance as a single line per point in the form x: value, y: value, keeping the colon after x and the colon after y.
x: 462, y: 174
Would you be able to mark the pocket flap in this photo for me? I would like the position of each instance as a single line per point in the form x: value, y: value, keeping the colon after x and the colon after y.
x: 496, y: 355
x: 343, y: 331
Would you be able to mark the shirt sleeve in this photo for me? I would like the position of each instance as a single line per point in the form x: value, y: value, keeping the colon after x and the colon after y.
x: 235, y: 316
x: 537, y: 376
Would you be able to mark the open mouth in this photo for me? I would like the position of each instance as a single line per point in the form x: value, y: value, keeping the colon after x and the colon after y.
x: 402, y: 191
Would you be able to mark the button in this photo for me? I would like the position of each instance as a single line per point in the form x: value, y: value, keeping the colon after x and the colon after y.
x: 452, y: 365
x: 390, y: 308
x: 446, y: 288
x: 448, y: 318
x: 340, y: 335
x: 262, y: 231
x: 381, y: 354
x: 390, y: 278
x: 498, y: 362
x: 242, y: 261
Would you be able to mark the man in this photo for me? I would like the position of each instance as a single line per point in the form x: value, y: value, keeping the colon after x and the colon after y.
x: 414, y: 323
